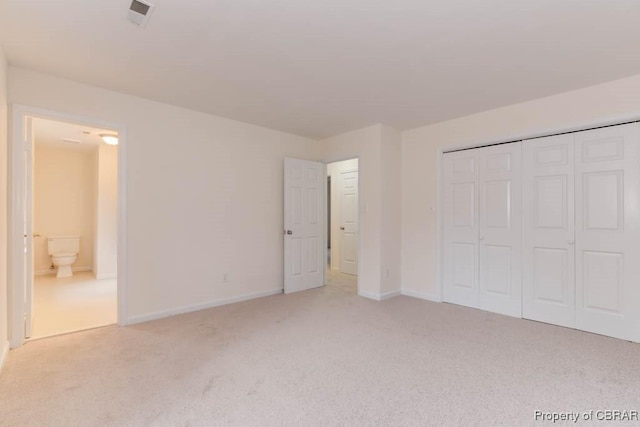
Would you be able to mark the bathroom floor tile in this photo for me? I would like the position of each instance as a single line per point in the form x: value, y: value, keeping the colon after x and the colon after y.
x: 72, y: 304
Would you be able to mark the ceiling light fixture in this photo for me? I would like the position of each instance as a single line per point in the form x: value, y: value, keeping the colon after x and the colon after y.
x: 109, y: 138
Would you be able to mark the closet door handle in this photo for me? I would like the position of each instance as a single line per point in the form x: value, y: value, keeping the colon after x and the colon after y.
x: 481, y: 237
x: 571, y: 242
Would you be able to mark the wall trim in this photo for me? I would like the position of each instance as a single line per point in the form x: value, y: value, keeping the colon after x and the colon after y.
x: 390, y: 294
x: 421, y: 295
x: 106, y: 276
x: 370, y: 295
x: 4, y: 354
x: 379, y: 297
x: 201, y: 306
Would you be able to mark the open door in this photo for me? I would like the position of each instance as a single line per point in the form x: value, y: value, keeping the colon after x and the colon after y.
x: 349, y: 222
x: 304, y: 224
x: 28, y: 227
x: 22, y: 235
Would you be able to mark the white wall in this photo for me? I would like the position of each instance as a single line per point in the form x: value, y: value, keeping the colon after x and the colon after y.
x: 335, y: 170
x: 106, y: 212
x: 63, y: 202
x: 391, y: 220
x: 611, y: 101
x: 4, y: 308
x: 205, y: 195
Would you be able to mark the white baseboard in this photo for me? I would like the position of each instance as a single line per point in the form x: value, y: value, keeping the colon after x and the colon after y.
x: 50, y: 271
x: 421, y: 295
x: 379, y: 297
x: 196, y: 307
x: 4, y: 353
x: 44, y: 272
x: 390, y: 294
x: 369, y: 295
x: 106, y: 276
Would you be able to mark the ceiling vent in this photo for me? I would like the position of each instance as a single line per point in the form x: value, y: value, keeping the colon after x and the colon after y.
x: 139, y: 12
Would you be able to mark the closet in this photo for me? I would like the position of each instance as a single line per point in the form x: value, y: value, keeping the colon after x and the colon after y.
x: 547, y: 229
x: 581, y: 245
x: 482, y: 228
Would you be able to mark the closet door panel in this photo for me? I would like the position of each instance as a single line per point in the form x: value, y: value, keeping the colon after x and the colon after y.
x: 500, y: 229
x: 460, y: 233
x: 608, y: 231
x: 548, y: 230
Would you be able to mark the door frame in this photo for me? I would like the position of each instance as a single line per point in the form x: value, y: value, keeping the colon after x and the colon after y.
x: 443, y: 148
x: 16, y: 276
x: 360, y: 211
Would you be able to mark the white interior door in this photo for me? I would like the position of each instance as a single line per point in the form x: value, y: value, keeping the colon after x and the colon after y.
x: 460, y: 232
x: 28, y: 227
x: 549, y: 230
x: 500, y: 229
x: 349, y: 222
x: 607, y: 163
x: 304, y: 223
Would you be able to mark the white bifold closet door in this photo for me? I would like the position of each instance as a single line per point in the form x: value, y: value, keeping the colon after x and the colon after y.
x: 482, y: 228
x: 549, y: 230
x: 461, y: 229
x: 582, y: 230
x: 607, y: 166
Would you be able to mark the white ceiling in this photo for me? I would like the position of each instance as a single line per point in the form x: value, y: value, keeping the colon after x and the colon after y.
x: 51, y: 133
x: 321, y: 67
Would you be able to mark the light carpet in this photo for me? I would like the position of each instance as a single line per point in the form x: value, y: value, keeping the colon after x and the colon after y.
x: 318, y: 358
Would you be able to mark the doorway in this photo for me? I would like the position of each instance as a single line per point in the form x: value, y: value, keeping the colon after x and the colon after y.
x: 343, y: 219
x: 74, y: 195
x: 67, y: 221
x: 321, y: 225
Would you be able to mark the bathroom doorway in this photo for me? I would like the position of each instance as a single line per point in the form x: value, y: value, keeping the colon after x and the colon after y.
x: 72, y: 248
x: 343, y: 224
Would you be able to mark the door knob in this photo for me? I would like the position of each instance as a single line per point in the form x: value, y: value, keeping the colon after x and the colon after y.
x: 36, y: 234
x: 571, y: 242
x: 481, y: 237
x: 341, y: 228
x: 289, y: 232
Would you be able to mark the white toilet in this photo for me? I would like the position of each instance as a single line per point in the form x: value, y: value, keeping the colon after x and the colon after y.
x: 64, y: 252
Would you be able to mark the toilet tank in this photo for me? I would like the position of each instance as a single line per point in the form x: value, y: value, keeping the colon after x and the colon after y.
x: 63, y: 245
